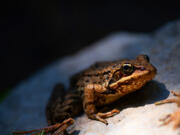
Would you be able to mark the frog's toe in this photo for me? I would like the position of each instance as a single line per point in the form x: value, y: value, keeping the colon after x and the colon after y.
x: 172, y: 100
x: 57, y: 128
x: 166, y: 120
x: 97, y: 117
x: 175, y: 93
x: 102, y: 116
x: 108, y: 114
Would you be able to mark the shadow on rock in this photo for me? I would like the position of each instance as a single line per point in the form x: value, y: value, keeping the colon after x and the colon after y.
x: 150, y: 93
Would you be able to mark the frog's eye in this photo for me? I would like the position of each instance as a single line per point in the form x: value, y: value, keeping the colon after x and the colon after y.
x: 127, y: 69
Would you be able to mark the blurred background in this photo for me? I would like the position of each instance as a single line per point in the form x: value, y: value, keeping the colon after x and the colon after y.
x: 35, y: 33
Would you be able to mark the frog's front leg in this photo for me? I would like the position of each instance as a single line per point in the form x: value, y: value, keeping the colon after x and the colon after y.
x: 89, y: 104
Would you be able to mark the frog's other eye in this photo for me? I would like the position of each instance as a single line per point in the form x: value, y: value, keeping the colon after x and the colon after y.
x: 143, y: 57
x: 127, y: 69
x: 147, y: 58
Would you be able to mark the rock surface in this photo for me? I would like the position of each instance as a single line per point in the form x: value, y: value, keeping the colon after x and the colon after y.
x: 24, y: 107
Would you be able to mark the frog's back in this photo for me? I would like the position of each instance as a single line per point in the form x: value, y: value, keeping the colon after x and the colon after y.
x: 98, y: 73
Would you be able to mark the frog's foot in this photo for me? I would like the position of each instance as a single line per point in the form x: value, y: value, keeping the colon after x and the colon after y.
x: 56, y: 129
x: 166, y: 120
x: 102, y: 116
x: 175, y: 118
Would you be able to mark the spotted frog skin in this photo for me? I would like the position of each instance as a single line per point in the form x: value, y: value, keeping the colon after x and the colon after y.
x: 99, y: 85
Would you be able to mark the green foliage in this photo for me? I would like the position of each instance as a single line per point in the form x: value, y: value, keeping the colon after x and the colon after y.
x: 4, y: 94
x: 42, y: 133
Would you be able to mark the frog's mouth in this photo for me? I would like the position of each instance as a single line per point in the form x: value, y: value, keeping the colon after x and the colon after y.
x: 133, y: 82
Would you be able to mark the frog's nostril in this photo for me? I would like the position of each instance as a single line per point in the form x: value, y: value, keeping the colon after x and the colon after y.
x: 140, y: 68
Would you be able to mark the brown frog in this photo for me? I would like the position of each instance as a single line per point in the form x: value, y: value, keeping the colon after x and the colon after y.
x: 99, y: 85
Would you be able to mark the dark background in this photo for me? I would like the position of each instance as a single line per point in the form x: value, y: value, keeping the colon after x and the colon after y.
x: 34, y: 33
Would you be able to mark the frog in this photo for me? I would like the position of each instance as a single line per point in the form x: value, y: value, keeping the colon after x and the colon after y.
x: 101, y: 84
